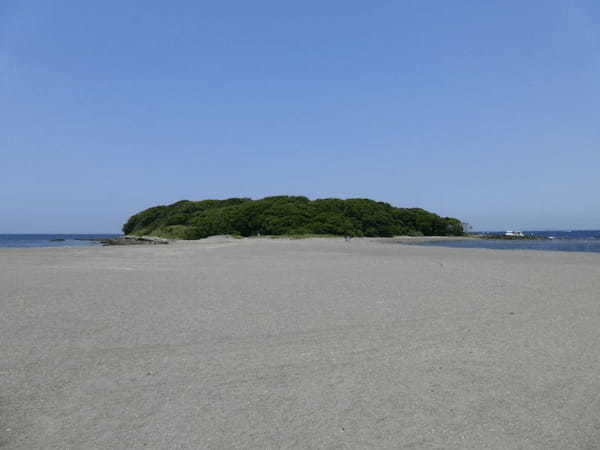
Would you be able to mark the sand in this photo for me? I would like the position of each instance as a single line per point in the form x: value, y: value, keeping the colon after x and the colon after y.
x: 302, y: 344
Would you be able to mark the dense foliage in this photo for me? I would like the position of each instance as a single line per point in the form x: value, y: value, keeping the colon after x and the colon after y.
x: 285, y: 215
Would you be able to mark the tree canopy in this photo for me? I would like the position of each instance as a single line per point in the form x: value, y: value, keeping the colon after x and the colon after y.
x: 286, y: 215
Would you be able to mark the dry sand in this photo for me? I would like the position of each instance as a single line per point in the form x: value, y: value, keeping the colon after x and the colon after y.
x: 298, y: 344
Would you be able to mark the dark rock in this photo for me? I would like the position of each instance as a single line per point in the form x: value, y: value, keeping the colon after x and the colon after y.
x: 132, y: 240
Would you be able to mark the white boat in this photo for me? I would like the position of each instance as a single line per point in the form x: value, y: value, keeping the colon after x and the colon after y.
x: 514, y: 233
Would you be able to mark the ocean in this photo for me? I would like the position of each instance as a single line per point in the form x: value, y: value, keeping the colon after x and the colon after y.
x: 564, y: 241
x: 559, y: 240
x: 49, y: 240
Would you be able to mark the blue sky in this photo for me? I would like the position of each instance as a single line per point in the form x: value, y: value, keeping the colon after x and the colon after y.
x: 485, y: 111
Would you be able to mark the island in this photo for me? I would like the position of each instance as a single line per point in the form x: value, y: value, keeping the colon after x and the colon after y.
x: 288, y: 215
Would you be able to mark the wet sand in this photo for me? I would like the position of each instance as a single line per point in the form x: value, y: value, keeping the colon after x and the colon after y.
x: 315, y: 343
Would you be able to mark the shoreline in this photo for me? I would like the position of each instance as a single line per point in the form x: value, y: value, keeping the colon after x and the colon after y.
x: 415, y: 241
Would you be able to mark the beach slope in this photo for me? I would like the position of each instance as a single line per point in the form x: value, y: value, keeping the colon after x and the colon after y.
x: 316, y: 343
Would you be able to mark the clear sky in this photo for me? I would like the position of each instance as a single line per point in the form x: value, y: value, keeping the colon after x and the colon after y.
x: 483, y: 110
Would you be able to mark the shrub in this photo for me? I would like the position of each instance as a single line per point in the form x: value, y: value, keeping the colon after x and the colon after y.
x: 284, y: 215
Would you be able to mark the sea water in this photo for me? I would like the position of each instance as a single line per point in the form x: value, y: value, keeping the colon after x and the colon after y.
x: 50, y: 240
x: 563, y: 241
x: 566, y: 241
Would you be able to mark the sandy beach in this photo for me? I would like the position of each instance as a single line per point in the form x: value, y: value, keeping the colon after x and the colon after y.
x: 317, y: 343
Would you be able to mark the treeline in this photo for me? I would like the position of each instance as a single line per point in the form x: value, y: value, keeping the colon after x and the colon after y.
x: 284, y: 215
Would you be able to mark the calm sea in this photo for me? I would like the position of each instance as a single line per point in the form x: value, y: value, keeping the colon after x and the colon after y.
x: 565, y: 241
x: 562, y: 241
x: 49, y: 240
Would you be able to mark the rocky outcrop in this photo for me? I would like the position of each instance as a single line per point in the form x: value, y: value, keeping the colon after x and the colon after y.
x: 132, y: 240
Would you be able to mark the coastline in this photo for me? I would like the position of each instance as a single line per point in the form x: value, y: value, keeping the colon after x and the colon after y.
x: 244, y: 342
x: 129, y: 240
